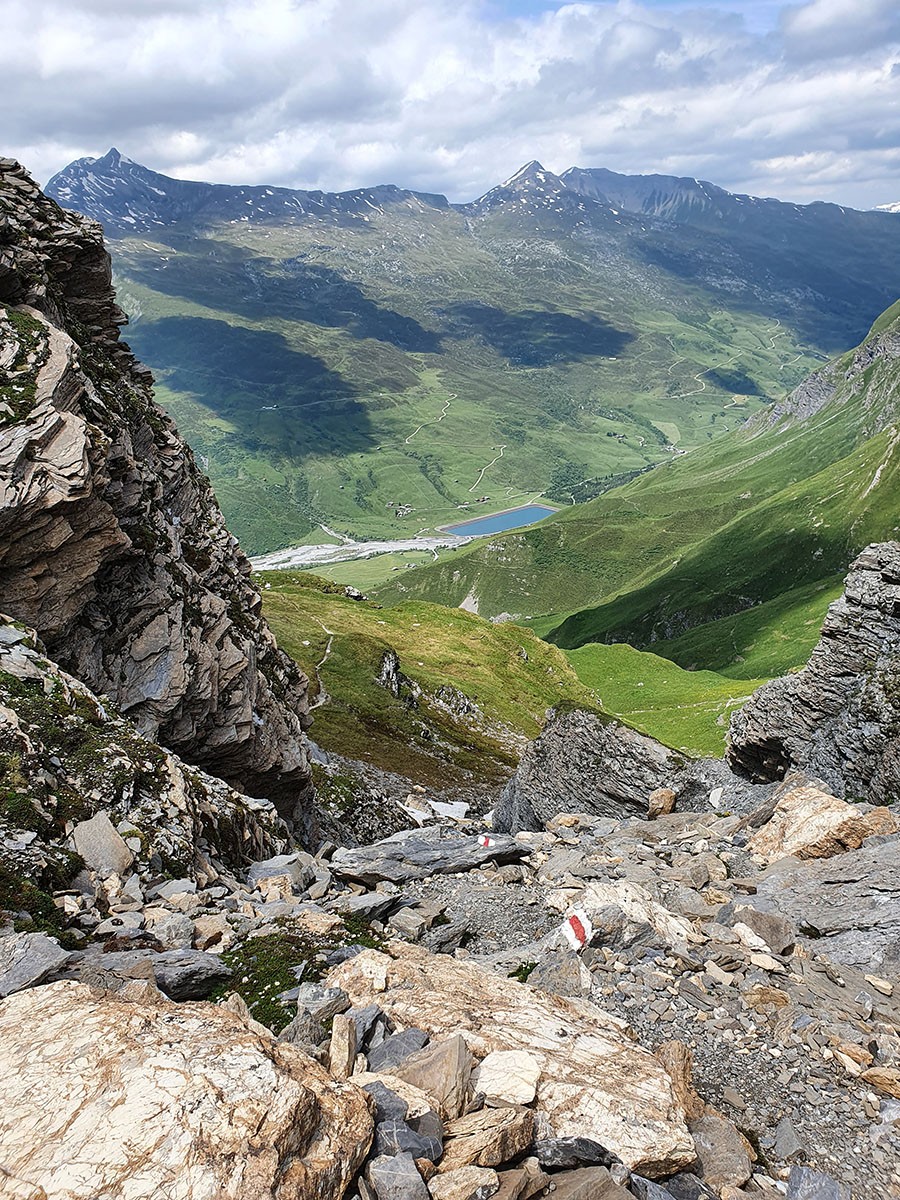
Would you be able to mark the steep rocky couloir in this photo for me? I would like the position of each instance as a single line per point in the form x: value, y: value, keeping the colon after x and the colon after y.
x: 840, y: 716
x: 112, y: 544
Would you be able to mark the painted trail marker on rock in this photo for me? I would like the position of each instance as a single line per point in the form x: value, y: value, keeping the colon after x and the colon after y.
x: 577, y: 929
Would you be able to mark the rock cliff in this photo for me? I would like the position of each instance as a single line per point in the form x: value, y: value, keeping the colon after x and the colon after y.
x: 112, y: 545
x: 839, y: 717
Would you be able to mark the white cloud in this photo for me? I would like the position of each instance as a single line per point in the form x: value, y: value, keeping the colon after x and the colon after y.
x: 797, y: 100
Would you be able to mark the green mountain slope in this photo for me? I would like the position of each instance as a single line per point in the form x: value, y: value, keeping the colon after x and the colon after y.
x: 376, y: 359
x: 783, y: 503
x: 470, y: 693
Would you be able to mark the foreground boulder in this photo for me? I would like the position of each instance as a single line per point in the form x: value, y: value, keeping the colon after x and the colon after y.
x: 102, y: 1095
x: 838, y: 718
x: 594, y: 1081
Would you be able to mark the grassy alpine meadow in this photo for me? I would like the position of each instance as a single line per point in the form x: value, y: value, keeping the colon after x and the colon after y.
x: 471, y: 695
x: 768, y: 640
x: 688, y: 710
x: 783, y: 503
x: 378, y: 379
x: 512, y: 676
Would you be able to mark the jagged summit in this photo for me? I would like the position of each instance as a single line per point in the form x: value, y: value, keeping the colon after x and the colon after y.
x: 531, y: 189
x: 127, y: 197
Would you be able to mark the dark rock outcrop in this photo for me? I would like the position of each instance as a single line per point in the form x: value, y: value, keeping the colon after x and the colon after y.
x: 838, y: 718
x: 584, y: 762
x: 112, y: 545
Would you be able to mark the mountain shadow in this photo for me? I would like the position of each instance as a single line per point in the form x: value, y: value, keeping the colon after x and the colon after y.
x: 537, y: 337
x: 231, y: 279
x: 238, y: 373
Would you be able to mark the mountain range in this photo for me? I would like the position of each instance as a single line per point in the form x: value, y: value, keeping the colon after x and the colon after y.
x: 376, y: 360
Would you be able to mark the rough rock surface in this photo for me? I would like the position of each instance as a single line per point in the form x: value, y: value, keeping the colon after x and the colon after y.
x: 72, y: 762
x: 583, y: 762
x: 809, y: 823
x: 839, y: 717
x: 849, y: 905
x: 103, y: 1095
x: 26, y: 959
x: 112, y: 544
x: 595, y: 1080
x: 415, y: 854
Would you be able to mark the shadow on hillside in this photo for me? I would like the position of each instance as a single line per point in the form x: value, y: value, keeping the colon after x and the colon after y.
x: 536, y: 337
x: 240, y: 374
x: 231, y: 279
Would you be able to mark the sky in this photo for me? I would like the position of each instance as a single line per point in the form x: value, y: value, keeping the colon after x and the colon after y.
x: 795, y: 100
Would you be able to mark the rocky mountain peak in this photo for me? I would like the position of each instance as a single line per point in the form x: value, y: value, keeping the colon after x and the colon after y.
x: 129, y: 198
x: 112, y: 544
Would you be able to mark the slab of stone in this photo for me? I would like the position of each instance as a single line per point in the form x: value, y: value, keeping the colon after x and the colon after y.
x: 365, y: 1019
x: 394, y: 1049
x: 174, y: 887
x: 570, y: 1152
x: 417, y: 1102
x: 787, y: 1144
x: 443, y: 1071
x: 587, y: 1183
x: 488, y: 1138
x: 849, y: 904
x: 388, y: 1105
x: 512, y: 1184
x: 508, y: 1077
x: 690, y: 1187
x: 595, y: 1080
x: 299, y: 872
x: 173, y: 930
x: 101, y: 846
x: 419, y: 854
x: 408, y: 922
x: 396, y: 1177
x: 371, y: 906
x: 106, y: 1096
x: 646, y: 1189
x: 396, y: 1136
x: 767, y: 931
x: 806, y: 1184
x: 322, y: 1003
x: 181, y: 974
x: 28, y: 958
x: 562, y: 972
x: 465, y: 1183
x: 810, y: 823
x: 342, y: 1048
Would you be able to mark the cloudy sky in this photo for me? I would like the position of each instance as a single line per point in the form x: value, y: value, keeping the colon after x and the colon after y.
x: 800, y: 100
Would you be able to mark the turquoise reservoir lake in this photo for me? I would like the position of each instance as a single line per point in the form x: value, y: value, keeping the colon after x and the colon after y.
x: 527, y: 514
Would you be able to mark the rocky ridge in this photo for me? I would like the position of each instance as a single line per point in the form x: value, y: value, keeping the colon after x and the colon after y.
x: 839, y: 717
x: 112, y: 544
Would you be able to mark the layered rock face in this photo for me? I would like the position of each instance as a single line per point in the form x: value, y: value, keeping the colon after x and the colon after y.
x: 840, y: 716
x: 69, y: 760
x: 583, y: 762
x: 112, y: 545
